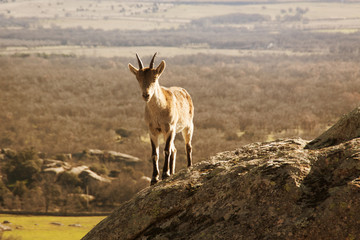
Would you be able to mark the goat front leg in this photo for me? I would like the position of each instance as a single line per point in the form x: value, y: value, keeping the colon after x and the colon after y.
x: 172, y: 160
x: 169, y: 145
x: 155, y: 159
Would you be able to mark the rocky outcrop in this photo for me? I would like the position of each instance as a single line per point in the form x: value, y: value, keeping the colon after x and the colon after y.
x: 113, y: 156
x: 272, y: 190
x: 347, y: 128
x: 57, y: 167
x: 92, y: 176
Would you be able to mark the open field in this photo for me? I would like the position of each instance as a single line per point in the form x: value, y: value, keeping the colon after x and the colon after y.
x: 40, y: 227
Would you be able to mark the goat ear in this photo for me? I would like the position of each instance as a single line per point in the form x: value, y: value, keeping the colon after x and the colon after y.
x: 161, y: 67
x: 133, y: 69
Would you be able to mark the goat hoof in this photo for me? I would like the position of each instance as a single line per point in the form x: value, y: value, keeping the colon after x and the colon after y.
x: 165, y: 175
x: 154, y: 181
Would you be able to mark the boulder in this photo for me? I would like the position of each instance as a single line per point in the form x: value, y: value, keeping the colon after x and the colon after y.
x: 347, y: 128
x: 122, y: 157
x: 96, y: 152
x: 56, y: 170
x: 75, y: 225
x: 87, y: 173
x: 114, y: 156
x: 272, y: 190
x: 57, y: 223
x: 79, y: 169
x: 4, y: 228
x: 55, y: 166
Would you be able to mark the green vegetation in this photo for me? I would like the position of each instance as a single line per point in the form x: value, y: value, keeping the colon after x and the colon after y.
x: 41, y: 227
x: 29, y: 184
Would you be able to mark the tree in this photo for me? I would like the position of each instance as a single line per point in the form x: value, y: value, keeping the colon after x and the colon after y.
x: 51, y: 191
x: 22, y: 166
x: 69, y: 180
x: 20, y: 188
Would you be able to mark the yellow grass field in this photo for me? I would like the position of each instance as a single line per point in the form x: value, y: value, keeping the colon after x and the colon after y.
x: 40, y: 227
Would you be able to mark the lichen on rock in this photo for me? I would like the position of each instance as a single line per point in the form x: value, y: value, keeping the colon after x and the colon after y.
x: 271, y: 190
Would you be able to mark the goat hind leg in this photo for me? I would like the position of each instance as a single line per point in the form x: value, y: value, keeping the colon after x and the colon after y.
x: 168, y: 152
x: 187, y: 135
x: 155, y: 160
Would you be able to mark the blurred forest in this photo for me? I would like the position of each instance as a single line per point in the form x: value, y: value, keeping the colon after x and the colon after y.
x: 291, y: 81
x: 65, y: 104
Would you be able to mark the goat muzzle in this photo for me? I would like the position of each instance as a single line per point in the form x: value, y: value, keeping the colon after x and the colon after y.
x: 146, y: 96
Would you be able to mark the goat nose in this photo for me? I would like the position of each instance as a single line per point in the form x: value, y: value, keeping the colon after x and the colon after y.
x: 146, y: 95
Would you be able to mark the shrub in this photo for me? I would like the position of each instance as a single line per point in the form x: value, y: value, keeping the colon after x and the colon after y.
x: 69, y: 180
x: 22, y: 166
x: 100, y: 169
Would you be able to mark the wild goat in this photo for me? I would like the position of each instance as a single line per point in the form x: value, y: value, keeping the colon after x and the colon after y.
x: 167, y: 112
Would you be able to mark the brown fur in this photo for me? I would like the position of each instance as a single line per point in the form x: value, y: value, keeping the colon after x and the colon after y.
x: 167, y: 112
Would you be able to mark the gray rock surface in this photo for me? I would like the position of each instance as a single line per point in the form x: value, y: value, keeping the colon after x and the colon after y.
x: 272, y: 190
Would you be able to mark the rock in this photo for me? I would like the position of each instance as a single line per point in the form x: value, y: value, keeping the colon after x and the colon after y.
x: 114, y: 156
x: 79, y: 169
x: 96, y: 152
x: 87, y: 173
x: 4, y: 228
x: 57, y: 223
x: 75, y: 225
x: 56, y: 170
x: 6, y: 222
x: 55, y: 166
x: 272, y: 190
x: 347, y: 128
x: 122, y: 157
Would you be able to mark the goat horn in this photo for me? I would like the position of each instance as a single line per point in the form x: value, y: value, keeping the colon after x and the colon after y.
x: 141, y: 65
x: 152, y: 61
